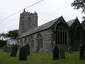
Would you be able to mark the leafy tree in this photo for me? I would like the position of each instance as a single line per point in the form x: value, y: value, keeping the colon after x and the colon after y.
x: 12, y: 34
x: 2, y: 43
x: 77, y: 4
x: 83, y: 22
x: 3, y: 36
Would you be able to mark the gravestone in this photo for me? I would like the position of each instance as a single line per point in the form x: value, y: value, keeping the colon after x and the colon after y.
x: 37, y: 48
x: 7, y: 49
x: 82, y: 51
x: 28, y: 49
x: 62, y: 53
x: 14, y: 50
x: 55, y: 53
x: 23, y: 53
x: 70, y: 49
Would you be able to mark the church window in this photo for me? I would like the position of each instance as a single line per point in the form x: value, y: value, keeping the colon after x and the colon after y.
x: 65, y: 37
x: 26, y: 40
x: 40, y: 40
x: 61, y: 34
x: 31, y: 41
x: 77, y: 33
x: 60, y: 37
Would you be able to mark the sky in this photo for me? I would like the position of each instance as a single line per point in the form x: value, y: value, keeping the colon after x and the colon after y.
x: 47, y: 10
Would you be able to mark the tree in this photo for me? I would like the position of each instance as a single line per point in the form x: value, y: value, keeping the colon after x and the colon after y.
x: 83, y: 22
x: 3, y: 39
x: 12, y: 34
x: 2, y: 43
x: 3, y: 36
x: 77, y: 4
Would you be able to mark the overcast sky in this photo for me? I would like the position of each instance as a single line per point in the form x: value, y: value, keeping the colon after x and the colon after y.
x: 47, y: 10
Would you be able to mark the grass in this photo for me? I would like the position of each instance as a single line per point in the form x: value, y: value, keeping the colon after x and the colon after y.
x: 41, y: 58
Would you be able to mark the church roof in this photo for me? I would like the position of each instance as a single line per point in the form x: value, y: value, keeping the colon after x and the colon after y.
x: 70, y: 22
x: 84, y: 28
x: 40, y: 28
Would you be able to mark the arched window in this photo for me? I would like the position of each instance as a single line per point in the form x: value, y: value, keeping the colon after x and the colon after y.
x: 19, y: 42
x: 25, y: 40
x: 40, y: 40
x: 31, y: 41
x: 61, y: 34
x: 77, y: 33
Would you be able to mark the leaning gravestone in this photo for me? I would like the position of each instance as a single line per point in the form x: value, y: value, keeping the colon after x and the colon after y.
x: 14, y: 50
x: 81, y: 51
x: 27, y: 49
x: 23, y: 53
x: 62, y: 53
x: 55, y: 53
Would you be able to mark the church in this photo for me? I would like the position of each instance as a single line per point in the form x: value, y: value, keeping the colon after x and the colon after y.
x: 55, y: 32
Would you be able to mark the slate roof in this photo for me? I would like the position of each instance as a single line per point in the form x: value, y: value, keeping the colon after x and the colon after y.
x: 70, y: 22
x: 84, y: 28
x: 40, y: 28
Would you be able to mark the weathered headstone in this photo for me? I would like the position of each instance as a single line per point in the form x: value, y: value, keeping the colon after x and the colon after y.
x: 23, y: 53
x: 14, y: 50
x: 82, y: 51
x: 62, y: 53
x: 70, y: 49
x: 37, y: 48
x: 55, y: 53
x: 27, y: 49
x: 7, y: 49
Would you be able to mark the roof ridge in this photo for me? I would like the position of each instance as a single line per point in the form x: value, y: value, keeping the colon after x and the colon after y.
x: 70, y: 22
x: 40, y: 28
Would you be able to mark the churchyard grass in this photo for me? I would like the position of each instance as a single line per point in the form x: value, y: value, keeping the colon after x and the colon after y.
x: 41, y: 58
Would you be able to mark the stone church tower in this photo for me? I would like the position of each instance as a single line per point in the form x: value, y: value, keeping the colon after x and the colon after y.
x: 27, y: 22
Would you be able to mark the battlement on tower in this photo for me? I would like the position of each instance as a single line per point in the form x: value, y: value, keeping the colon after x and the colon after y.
x: 28, y: 13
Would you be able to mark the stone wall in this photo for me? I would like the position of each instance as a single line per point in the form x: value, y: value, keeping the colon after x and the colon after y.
x: 47, y: 41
